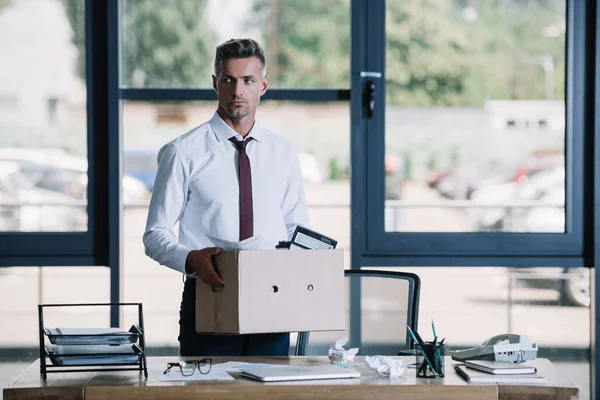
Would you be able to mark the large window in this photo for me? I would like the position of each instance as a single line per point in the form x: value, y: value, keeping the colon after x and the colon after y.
x: 470, y: 127
x: 167, y: 90
x: 168, y: 46
x: 475, y: 116
x: 43, y: 131
x: 468, y: 149
x: 54, y: 120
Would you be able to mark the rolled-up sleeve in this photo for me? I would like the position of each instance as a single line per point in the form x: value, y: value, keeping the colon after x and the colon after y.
x: 168, y: 201
x: 295, y: 211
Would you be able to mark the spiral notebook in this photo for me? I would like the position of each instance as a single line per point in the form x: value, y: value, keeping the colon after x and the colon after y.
x: 475, y: 376
x: 500, y: 368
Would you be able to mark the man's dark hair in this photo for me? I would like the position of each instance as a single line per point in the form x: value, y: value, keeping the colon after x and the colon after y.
x: 240, y: 48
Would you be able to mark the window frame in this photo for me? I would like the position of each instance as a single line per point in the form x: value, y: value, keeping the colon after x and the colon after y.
x: 87, y: 248
x: 376, y: 247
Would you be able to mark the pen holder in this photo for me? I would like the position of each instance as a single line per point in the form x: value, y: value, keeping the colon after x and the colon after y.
x: 430, y: 360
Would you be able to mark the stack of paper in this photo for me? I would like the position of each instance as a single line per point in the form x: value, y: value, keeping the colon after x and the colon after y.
x: 91, y: 336
x: 256, y: 242
x: 500, y: 368
x: 93, y: 355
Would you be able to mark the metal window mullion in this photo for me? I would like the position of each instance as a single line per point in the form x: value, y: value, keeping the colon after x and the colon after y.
x: 114, y: 157
x: 592, y: 184
x: 148, y: 94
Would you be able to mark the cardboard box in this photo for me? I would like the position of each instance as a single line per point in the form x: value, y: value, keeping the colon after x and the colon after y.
x: 274, y: 291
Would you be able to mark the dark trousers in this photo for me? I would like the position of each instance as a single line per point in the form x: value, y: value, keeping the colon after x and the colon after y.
x: 192, y: 343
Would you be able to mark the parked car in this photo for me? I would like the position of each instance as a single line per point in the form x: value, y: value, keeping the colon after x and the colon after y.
x: 460, y: 181
x: 141, y: 164
x: 58, y: 171
x: 492, y: 218
x: 53, y: 214
x: 572, y: 284
x: 546, y: 187
x: 9, y: 216
x: 550, y: 216
x: 395, y: 177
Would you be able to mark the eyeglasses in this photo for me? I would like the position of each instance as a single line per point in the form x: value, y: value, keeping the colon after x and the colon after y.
x: 187, y: 368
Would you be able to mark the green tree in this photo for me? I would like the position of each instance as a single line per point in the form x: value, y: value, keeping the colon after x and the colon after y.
x: 427, y: 55
x: 76, y: 14
x: 307, y: 43
x: 408, y: 164
x: 439, y: 52
x: 520, y: 49
x: 334, y: 169
x: 432, y: 162
x: 165, y: 42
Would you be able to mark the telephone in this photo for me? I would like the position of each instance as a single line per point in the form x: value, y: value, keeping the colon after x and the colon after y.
x: 506, y: 347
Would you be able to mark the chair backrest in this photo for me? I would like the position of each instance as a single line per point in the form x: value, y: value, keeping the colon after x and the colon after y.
x: 379, y: 305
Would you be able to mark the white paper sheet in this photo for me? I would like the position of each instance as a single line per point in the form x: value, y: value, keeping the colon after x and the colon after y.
x: 256, y: 242
x: 218, y: 374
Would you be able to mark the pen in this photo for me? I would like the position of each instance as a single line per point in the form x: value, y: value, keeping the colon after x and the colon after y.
x: 422, y: 351
x: 412, y: 334
x: 438, y: 353
x: 421, y: 341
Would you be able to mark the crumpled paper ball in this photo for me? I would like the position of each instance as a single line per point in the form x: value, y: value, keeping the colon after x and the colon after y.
x: 385, y: 365
x: 337, y: 354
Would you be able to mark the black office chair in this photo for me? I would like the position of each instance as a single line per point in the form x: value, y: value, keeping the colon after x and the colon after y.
x: 388, y: 301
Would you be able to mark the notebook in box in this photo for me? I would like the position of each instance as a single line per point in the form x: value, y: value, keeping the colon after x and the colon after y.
x: 474, y: 376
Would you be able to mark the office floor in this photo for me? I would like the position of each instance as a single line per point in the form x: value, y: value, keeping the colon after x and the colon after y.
x: 579, y: 373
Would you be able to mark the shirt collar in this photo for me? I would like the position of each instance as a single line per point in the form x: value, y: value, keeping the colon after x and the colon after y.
x: 223, y: 131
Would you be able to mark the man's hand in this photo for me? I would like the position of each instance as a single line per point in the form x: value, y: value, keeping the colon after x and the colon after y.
x: 200, y: 262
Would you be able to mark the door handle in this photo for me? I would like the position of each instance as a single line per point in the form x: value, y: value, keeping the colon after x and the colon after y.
x: 369, y: 98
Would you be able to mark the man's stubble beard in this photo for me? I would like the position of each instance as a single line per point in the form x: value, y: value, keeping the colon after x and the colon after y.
x: 238, y: 113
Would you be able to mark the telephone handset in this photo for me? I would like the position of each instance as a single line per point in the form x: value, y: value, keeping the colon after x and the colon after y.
x: 511, y: 337
x: 505, y: 347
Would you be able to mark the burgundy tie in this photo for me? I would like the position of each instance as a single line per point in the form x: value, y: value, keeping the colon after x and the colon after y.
x: 245, y: 182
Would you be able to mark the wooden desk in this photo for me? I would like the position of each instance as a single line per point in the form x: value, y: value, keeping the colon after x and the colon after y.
x: 132, y: 385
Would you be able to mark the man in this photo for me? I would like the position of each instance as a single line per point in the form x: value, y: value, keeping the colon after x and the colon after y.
x: 231, y: 179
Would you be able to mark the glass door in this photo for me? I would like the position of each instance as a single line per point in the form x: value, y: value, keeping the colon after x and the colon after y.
x: 465, y: 129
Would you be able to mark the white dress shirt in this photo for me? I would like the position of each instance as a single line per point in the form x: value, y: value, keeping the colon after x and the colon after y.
x: 197, y: 186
